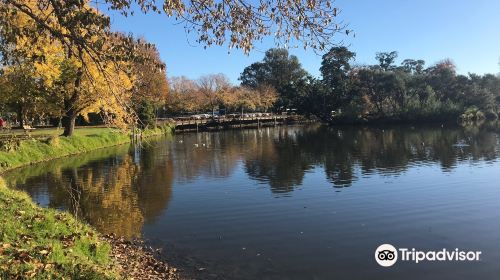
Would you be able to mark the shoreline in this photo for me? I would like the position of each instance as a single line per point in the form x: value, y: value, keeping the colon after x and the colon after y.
x: 31, y: 151
x: 117, y: 138
x: 124, y: 251
x: 40, y: 243
x: 138, y: 261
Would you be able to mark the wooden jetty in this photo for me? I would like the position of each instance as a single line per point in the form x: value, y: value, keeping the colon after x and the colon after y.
x: 192, y: 124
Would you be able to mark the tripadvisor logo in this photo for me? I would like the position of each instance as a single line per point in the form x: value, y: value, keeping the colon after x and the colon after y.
x: 387, y: 255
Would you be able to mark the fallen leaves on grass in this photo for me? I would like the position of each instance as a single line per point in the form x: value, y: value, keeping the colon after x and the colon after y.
x: 137, y: 261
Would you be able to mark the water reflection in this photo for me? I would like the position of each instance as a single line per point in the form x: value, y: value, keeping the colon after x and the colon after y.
x: 115, y: 190
x: 282, y: 156
x: 119, y: 190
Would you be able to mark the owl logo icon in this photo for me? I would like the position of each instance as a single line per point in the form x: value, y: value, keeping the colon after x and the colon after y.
x: 386, y: 255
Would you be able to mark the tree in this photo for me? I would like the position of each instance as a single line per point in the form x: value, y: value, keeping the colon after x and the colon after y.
x: 84, y: 34
x: 22, y: 93
x: 240, y: 98
x: 442, y: 78
x: 150, y: 90
x: 184, y: 96
x: 413, y: 66
x: 241, y: 23
x: 386, y: 59
x: 481, y: 92
x: 279, y: 70
x: 238, y: 23
x: 75, y: 25
x: 265, y: 97
x: 78, y: 94
x: 314, y: 101
x: 335, y: 69
x: 77, y: 80
x: 212, y: 88
x: 146, y: 111
x: 244, y: 98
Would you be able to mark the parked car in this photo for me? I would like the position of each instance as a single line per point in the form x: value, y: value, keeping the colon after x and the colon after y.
x: 233, y: 116
x: 201, y: 116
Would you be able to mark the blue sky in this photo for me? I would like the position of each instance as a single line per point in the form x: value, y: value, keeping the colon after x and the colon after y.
x: 468, y: 32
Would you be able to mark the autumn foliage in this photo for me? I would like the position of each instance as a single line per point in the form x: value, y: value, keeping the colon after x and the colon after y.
x: 212, y: 93
x: 49, y: 74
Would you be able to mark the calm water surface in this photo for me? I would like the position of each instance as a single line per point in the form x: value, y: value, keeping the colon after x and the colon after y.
x: 300, y: 202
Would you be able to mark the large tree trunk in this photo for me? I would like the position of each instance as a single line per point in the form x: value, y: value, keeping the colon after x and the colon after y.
x: 68, y: 122
x: 69, y: 106
x: 20, y: 116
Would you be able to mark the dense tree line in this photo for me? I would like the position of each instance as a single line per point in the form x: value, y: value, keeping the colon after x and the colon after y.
x: 60, y: 59
x: 383, y: 92
x: 214, y: 94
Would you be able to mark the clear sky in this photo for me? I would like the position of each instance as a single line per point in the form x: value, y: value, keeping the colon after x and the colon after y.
x: 468, y: 32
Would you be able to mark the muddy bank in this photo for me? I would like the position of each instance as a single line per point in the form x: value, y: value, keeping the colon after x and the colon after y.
x: 135, y: 260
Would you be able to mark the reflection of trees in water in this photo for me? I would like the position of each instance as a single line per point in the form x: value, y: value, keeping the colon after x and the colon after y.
x: 269, y: 154
x: 275, y: 156
x: 392, y: 150
x: 206, y: 154
x: 281, y: 156
x: 116, y: 195
x: 120, y: 191
x: 154, y: 184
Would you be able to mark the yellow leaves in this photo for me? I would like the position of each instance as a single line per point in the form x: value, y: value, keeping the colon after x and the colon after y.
x: 55, y: 62
x: 43, y: 54
x: 43, y: 252
x: 75, y: 61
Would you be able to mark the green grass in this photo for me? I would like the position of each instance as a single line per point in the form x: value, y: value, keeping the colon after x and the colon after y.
x: 16, y: 153
x: 36, y: 150
x: 79, y: 131
x: 19, y: 176
x: 38, y: 243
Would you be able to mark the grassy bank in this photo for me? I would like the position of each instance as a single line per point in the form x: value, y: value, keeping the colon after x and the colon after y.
x: 38, y: 243
x: 16, y: 152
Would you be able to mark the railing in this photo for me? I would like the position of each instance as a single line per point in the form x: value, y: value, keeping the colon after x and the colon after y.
x: 195, y: 123
x: 190, y: 121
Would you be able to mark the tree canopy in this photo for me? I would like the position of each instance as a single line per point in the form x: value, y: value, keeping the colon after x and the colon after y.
x: 82, y: 64
x: 382, y: 92
x: 279, y: 70
x: 77, y: 64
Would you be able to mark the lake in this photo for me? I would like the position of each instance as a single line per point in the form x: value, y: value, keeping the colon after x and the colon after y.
x: 292, y: 202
